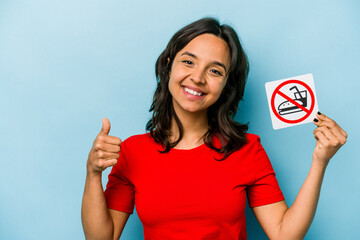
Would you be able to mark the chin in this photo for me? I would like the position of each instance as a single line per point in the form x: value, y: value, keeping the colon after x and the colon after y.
x: 193, y: 109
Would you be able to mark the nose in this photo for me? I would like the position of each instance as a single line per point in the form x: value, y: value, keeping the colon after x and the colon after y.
x: 198, y: 76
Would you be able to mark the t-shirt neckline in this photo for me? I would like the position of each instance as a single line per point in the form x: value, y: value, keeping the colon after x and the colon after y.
x: 191, y: 150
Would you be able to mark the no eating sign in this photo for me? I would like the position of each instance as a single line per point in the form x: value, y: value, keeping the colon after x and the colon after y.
x: 292, y: 101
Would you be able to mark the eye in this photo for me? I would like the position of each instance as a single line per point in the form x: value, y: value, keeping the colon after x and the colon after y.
x: 216, y: 72
x: 187, y: 62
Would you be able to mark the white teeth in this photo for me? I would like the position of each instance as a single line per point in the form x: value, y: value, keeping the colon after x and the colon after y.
x: 192, y: 92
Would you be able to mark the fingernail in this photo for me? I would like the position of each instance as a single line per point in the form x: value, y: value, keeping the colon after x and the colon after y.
x: 316, y: 120
x: 319, y: 113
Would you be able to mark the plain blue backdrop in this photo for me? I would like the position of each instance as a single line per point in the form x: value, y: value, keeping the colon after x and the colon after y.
x: 64, y: 65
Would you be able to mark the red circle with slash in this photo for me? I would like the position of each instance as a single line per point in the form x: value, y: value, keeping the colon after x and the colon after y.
x: 307, y: 111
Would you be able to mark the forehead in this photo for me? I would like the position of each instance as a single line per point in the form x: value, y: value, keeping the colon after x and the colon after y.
x: 208, y: 47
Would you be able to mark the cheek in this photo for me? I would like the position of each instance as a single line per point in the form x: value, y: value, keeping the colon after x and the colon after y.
x: 177, y: 73
x: 176, y: 76
x: 173, y: 84
x: 170, y: 85
x: 224, y: 84
x: 219, y: 87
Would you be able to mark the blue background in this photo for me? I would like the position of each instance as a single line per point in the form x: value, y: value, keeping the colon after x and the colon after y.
x: 64, y: 65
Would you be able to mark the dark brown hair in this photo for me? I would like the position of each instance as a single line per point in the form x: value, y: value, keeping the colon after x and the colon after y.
x: 220, y: 114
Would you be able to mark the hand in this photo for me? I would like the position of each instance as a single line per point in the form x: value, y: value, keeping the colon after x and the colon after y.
x: 329, y: 139
x: 105, y: 150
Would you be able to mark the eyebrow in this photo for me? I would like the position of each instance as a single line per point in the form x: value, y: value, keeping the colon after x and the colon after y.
x: 214, y: 62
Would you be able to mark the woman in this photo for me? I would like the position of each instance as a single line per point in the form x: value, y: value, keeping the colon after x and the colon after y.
x: 189, y: 176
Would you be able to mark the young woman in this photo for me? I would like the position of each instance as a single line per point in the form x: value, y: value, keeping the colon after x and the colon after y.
x: 190, y: 175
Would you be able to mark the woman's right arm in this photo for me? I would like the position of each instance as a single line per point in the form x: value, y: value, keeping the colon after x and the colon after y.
x: 98, y: 221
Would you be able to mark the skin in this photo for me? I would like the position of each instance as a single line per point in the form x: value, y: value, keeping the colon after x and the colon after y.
x: 277, y: 219
x: 98, y: 221
x: 202, y: 65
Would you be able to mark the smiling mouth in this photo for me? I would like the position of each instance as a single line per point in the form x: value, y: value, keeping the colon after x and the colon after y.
x: 192, y: 92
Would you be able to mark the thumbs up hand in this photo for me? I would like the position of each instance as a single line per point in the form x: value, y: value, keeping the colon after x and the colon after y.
x: 105, y: 150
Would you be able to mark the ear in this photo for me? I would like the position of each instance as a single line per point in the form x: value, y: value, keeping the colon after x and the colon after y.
x: 168, y: 61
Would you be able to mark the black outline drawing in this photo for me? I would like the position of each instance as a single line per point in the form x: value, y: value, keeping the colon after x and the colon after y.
x: 287, y: 107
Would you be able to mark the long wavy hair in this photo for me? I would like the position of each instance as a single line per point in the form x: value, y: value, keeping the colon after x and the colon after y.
x: 221, y: 113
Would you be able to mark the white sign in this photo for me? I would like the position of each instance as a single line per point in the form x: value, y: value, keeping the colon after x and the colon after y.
x: 292, y: 101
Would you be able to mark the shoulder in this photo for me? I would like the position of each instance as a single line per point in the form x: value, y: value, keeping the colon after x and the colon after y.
x: 252, y: 139
x: 137, y: 138
x: 144, y: 138
x: 251, y: 156
x: 142, y: 141
x: 252, y: 146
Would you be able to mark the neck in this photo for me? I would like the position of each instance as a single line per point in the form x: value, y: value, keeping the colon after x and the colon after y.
x: 195, y: 125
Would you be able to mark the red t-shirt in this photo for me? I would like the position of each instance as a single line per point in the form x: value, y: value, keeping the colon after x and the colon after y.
x: 187, y: 194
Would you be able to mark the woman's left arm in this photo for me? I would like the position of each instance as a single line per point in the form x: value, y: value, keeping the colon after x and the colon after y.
x: 280, y: 222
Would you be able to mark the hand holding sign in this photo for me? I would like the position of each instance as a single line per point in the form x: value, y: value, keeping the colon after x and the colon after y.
x: 329, y: 139
x: 105, y: 150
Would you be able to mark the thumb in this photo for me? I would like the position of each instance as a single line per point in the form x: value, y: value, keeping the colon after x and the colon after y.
x: 105, y: 127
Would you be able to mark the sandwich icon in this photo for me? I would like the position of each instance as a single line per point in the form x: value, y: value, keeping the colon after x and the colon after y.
x: 287, y: 107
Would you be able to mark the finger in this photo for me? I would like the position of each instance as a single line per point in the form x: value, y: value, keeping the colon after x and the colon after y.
x: 108, y: 139
x: 333, y: 141
x: 107, y: 163
x: 105, y: 127
x: 320, y: 118
x: 327, y: 133
x: 321, y: 138
x: 111, y: 162
x: 325, y: 120
x: 101, y: 155
x: 107, y: 147
x: 317, y: 121
x: 335, y: 129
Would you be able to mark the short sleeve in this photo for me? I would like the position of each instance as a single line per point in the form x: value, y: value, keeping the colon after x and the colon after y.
x: 265, y: 188
x: 119, y: 192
